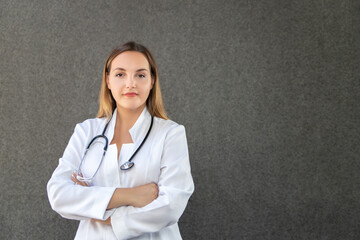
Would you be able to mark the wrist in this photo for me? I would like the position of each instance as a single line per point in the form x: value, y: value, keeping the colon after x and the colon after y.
x: 129, y: 199
x: 121, y: 197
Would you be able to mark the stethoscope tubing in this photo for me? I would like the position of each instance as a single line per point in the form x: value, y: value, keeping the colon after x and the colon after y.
x: 126, y: 166
x: 96, y: 137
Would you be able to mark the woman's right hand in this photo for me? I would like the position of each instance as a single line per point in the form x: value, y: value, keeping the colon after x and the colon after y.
x: 143, y: 195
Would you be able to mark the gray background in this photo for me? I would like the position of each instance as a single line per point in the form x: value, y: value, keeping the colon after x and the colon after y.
x: 268, y: 92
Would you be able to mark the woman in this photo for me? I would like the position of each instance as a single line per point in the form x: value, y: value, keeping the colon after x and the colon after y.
x: 141, y: 202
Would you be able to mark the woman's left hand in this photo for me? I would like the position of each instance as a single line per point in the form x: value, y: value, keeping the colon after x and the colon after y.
x: 107, y: 221
x: 76, y: 181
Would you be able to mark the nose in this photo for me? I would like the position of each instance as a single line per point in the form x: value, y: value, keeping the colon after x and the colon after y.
x: 130, y: 82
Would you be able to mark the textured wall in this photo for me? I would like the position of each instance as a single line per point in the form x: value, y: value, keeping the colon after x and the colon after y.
x: 267, y: 90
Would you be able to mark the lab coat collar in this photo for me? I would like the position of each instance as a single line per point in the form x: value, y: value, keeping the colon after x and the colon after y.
x: 137, y: 131
x: 141, y: 126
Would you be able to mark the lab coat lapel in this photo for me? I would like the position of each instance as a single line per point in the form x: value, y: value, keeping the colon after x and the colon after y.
x: 140, y: 128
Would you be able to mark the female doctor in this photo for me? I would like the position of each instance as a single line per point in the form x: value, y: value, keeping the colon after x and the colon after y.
x: 125, y: 174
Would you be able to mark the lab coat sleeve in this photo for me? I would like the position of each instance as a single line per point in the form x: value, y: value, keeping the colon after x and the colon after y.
x: 74, y: 201
x: 175, y: 188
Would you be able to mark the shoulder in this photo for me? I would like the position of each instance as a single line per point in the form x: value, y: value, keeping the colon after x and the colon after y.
x: 93, y: 122
x: 90, y: 125
x: 167, y: 126
x: 166, y: 123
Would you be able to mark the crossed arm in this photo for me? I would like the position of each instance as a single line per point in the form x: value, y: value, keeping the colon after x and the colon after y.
x: 137, y: 196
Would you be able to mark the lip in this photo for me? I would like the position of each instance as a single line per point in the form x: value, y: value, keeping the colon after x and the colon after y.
x: 130, y: 94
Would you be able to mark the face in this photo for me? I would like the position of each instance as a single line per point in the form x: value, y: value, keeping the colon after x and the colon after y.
x: 130, y: 80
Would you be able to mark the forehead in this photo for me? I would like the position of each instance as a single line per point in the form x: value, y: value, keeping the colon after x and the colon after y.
x: 130, y: 60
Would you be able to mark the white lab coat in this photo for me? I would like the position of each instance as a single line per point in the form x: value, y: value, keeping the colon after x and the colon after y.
x: 163, y: 159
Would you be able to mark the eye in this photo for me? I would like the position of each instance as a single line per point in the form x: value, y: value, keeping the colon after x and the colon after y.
x: 119, y: 75
x: 141, y: 76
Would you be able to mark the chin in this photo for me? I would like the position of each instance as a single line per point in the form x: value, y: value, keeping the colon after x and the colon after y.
x: 131, y: 107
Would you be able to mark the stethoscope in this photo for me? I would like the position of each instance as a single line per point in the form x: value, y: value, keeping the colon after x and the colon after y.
x: 126, y: 166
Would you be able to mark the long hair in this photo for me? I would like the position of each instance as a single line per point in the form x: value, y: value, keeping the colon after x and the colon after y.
x: 154, y: 102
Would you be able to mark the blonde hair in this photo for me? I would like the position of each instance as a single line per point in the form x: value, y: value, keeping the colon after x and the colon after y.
x: 154, y: 102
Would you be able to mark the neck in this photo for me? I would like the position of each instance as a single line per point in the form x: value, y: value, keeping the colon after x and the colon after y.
x: 126, y: 118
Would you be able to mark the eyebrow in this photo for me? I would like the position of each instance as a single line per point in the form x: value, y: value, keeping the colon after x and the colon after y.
x: 123, y: 69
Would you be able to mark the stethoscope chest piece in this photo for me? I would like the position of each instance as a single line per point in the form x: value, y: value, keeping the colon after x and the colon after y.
x: 127, y: 165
